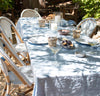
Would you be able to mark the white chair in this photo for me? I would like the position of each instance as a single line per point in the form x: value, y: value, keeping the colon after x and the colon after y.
x: 87, y: 26
x: 14, y: 74
x: 6, y: 29
x: 30, y: 13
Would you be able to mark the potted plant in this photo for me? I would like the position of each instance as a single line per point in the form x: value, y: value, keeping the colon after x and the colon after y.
x: 5, y: 5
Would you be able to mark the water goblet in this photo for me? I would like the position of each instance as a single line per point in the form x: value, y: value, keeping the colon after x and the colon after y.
x: 54, y: 45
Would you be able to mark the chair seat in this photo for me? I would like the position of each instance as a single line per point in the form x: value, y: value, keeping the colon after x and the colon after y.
x: 22, y: 51
x: 20, y: 47
x: 26, y: 70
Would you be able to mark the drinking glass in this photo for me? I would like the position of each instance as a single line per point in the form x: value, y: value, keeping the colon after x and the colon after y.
x: 76, y: 33
x: 55, y: 50
x: 54, y: 45
x: 42, y: 22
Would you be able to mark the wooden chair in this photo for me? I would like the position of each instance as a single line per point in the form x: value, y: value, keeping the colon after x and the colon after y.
x: 70, y: 12
x: 6, y: 30
x: 29, y: 13
x: 14, y: 74
x: 87, y: 26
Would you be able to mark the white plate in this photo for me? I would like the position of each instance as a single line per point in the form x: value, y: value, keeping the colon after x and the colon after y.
x: 38, y: 39
x: 81, y: 41
x: 87, y: 41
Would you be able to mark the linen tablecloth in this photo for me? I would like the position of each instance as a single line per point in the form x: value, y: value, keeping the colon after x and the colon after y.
x: 69, y: 75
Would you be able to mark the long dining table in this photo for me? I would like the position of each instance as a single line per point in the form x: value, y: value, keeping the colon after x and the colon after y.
x: 68, y: 75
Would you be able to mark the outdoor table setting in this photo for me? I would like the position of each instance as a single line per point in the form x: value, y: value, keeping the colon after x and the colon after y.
x: 61, y: 65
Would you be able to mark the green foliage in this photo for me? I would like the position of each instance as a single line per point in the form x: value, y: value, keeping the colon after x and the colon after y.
x: 6, y: 4
x: 89, y: 8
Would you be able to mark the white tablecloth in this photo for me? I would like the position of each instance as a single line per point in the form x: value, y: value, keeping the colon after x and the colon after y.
x: 69, y: 75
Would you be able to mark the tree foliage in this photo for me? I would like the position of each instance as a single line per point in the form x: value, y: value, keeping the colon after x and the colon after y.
x: 89, y: 8
x: 6, y: 4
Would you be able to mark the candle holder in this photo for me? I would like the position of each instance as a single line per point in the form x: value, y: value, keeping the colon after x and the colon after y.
x: 58, y: 17
x: 53, y: 25
x: 76, y: 33
x: 52, y: 41
x: 42, y: 22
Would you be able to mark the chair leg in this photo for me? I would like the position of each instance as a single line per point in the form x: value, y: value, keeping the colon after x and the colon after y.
x: 0, y: 71
x: 19, y: 93
x: 4, y: 90
x: 14, y: 89
x: 8, y: 88
x: 30, y: 89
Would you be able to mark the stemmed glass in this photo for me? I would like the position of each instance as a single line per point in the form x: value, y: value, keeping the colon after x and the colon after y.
x: 54, y: 45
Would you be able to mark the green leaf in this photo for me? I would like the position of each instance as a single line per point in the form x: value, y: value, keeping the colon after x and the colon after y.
x: 90, y: 8
x: 6, y: 4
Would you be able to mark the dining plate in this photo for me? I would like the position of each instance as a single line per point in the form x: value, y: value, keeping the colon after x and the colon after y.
x: 82, y: 41
x: 38, y: 40
x: 86, y: 42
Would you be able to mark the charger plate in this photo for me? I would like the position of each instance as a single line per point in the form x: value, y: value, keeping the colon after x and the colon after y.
x: 38, y: 40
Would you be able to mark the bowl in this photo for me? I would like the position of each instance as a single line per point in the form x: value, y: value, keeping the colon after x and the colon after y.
x: 64, y: 32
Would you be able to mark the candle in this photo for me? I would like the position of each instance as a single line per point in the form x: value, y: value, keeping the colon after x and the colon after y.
x: 57, y: 19
x: 53, y: 26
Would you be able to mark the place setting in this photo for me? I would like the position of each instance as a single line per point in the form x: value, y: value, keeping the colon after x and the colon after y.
x: 81, y: 37
x: 85, y: 44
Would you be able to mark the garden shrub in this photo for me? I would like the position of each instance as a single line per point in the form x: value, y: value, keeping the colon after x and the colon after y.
x: 89, y: 8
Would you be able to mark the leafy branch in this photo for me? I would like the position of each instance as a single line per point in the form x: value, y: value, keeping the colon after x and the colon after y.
x: 6, y: 4
x: 89, y: 8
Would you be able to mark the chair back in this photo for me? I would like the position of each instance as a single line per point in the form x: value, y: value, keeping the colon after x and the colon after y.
x: 87, y: 26
x: 29, y: 13
x: 5, y: 37
x: 9, y: 27
x: 70, y: 11
x: 11, y: 52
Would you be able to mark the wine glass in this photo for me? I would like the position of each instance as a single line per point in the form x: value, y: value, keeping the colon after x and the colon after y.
x: 54, y: 45
x: 55, y: 50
